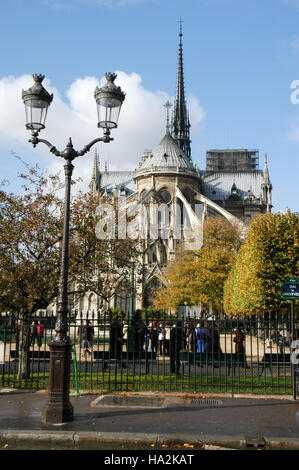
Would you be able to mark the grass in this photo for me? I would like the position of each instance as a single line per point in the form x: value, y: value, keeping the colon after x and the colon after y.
x: 168, y: 383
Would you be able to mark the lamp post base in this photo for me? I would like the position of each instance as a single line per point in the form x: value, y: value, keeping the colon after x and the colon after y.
x: 58, y: 409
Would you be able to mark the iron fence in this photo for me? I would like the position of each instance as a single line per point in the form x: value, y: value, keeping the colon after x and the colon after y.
x: 156, y: 352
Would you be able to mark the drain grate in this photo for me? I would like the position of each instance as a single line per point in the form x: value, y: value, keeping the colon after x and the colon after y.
x: 206, y: 402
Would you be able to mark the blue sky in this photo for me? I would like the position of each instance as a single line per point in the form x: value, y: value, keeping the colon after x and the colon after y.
x: 240, y: 58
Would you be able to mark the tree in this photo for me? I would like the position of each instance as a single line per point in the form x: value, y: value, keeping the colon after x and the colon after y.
x: 96, y: 265
x: 30, y: 228
x: 269, y: 255
x: 198, y: 276
x: 30, y: 236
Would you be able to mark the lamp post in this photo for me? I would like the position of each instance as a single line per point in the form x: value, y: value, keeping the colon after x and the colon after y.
x: 130, y: 346
x: 37, y: 100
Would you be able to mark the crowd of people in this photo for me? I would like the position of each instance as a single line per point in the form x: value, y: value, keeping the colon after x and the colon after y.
x: 160, y: 337
x: 155, y: 336
x: 36, y: 333
x: 168, y: 339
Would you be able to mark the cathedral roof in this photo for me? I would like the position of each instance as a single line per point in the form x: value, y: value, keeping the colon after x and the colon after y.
x: 217, y: 185
x: 167, y: 154
x: 117, y: 179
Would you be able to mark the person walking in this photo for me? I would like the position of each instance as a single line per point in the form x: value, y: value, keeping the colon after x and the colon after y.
x: 212, y: 338
x: 201, y: 336
x: 87, y: 337
x: 190, y: 337
x: 281, y: 342
x: 161, y: 338
x: 140, y: 331
x: 79, y: 332
x: 40, y: 333
x: 33, y: 333
x: 125, y: 333
x: 167, y: 340
x: 154, y: 335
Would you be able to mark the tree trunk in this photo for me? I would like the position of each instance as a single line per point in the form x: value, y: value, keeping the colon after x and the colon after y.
x: 24, y: 360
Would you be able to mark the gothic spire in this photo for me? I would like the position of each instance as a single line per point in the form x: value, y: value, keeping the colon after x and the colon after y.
x: 267, y: 186
x: 180, y: 120
x: 266, y: 172
x: 94, y: 183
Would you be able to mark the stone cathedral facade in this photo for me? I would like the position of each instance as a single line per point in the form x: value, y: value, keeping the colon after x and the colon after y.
x: 231, y: 185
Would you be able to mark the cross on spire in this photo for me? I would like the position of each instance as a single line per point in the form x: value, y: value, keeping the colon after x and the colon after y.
x: 181, y: 26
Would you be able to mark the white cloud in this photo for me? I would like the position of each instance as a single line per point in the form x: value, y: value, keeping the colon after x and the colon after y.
x: 141, y: 125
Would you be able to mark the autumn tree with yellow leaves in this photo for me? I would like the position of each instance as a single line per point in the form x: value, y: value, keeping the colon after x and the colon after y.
x: 269, y: 255
x: 198, y: 276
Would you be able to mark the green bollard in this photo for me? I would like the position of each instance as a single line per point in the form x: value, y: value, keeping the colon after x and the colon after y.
x: 76, y: 394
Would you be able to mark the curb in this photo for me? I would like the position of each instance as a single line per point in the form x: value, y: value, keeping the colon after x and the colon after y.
x: 191, y: 395
x: 90, y: 440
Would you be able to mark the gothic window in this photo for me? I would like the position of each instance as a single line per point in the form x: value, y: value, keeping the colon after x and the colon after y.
x: 122, y: 300
x: 122, y: 296
x: 92, y: 303
x: 165, y: 196
x: 149, y: 292
x: 162, y: 255
x: 81, y: 304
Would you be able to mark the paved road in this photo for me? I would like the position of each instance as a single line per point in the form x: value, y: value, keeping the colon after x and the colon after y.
x: 180, y: 419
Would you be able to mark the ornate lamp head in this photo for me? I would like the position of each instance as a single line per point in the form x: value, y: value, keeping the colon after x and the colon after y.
x: 109, y: 100
x: 36, y: 101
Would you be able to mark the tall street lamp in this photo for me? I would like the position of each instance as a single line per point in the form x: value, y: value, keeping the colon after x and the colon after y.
x: 37, y: 100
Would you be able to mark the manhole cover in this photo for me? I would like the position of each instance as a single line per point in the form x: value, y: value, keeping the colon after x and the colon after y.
x: 108, y: 400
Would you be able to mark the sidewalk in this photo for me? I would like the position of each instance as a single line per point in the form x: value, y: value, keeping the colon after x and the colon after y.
x: 131, y: 420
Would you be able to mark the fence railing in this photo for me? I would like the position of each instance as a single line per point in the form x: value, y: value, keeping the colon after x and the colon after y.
x: 157, y: 352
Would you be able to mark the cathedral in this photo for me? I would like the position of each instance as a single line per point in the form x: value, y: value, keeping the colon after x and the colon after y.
x: 231, y: 185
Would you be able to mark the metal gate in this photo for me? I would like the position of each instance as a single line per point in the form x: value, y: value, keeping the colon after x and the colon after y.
x: 156, y: 352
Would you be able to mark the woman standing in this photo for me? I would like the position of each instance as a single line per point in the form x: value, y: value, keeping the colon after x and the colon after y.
x: 40, y: 333
x: 239, y: 340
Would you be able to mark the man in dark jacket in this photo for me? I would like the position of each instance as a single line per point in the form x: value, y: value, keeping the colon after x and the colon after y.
x: 140, y: 331
x: 175, y: 346
x: 116, y: 335
x: 33, y: 333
